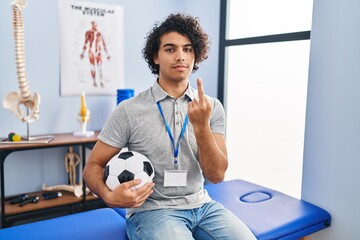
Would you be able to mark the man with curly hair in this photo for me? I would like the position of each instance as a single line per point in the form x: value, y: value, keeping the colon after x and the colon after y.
x: 182, y: 132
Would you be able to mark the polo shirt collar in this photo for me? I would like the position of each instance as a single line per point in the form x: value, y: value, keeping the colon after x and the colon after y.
x: 160, y: 94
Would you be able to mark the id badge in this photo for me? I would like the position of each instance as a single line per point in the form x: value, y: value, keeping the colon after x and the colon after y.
x: 175, y: 178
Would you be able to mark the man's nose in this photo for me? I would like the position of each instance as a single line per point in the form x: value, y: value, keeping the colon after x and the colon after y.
x: 180, y: 56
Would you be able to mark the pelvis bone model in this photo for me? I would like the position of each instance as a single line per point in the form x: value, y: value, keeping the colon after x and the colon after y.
x: 14, y: 100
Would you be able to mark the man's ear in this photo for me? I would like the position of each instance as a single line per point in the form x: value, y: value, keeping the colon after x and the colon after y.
x: 156, y: 59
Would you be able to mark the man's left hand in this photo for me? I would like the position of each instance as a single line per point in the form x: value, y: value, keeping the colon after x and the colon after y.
x: 199, y: 110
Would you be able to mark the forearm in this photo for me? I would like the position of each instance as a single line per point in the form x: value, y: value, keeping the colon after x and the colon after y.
x: 104, y: 46
x: 93, y: 176
x: 84, y: 49
x: 212, y: 158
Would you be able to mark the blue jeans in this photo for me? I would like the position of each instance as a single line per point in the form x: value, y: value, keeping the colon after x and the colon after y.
x: 211, y: 221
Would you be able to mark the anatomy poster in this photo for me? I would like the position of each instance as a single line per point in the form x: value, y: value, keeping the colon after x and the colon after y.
x: 91, y: 48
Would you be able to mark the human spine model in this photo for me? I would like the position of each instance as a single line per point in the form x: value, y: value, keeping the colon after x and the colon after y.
x: 13, y: 100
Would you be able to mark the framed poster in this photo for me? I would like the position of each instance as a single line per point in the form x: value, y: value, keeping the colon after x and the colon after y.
x: 91, y: 48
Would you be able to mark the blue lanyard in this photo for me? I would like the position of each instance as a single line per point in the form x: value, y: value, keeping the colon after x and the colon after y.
x: 176, y: 149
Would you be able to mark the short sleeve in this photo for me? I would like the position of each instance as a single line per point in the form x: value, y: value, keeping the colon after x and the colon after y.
x: 115, y: 131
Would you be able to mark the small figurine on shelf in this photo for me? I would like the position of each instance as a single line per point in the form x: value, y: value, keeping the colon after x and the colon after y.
x: 72, y: 159
x: 83, y: 118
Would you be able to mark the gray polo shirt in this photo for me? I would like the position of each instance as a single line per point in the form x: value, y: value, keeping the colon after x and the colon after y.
x: 137, y: 124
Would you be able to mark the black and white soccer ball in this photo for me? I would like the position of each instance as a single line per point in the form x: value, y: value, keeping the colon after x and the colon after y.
x: 127, y: 166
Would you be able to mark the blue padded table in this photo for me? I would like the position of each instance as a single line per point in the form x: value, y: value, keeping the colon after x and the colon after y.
x: 96, y: 224
x: 269, y: 214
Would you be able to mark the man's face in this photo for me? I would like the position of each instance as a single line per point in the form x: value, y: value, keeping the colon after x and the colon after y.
x: 175, y: 58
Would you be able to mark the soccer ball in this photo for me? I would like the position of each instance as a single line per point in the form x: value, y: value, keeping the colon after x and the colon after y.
x: 127, y: 166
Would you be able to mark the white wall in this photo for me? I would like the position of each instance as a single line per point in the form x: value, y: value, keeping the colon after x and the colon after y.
x: 26, y: 171
x: 332, y: 140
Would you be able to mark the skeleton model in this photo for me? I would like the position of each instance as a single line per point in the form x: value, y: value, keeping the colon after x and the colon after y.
x: 14, y: 100
x: 77, y: 189
x: 83, y: 118
x: 84, y: 114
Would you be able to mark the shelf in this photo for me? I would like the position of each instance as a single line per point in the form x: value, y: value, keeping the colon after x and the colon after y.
x: 11, y: 214
x: 59, y: 140
x: 65, y: 199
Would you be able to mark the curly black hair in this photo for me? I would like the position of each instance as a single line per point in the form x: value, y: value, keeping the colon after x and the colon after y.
x: 184, y: 25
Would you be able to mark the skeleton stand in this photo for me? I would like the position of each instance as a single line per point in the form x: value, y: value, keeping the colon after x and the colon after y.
x: 37, y: 139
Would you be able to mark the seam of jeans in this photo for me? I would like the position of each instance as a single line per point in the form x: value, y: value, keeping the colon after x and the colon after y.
x: 208, y: 231
x: 138, y: 231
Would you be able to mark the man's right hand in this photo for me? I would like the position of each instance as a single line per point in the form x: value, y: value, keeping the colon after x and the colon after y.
x: 123, y: 196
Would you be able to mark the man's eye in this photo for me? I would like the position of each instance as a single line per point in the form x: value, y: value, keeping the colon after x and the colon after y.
x: 188, y: 49
x: 169, y: 50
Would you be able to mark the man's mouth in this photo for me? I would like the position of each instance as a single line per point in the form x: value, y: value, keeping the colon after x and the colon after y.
x: 180, y: 66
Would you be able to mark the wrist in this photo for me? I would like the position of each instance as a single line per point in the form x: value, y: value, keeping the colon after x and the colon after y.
x: 105, y: 195
x: 201, y: 129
